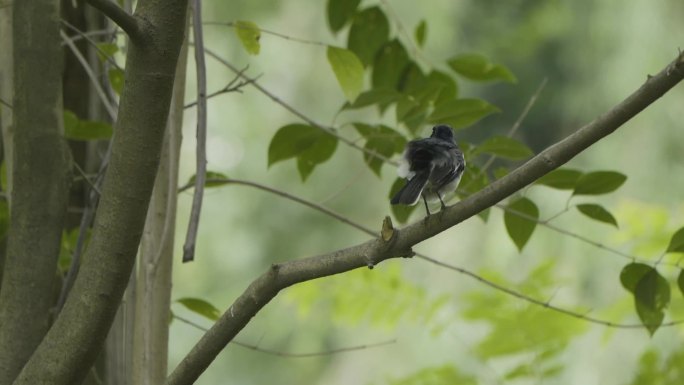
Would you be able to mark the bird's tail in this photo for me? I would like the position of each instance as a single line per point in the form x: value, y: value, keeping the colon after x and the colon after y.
x: 410, y: 193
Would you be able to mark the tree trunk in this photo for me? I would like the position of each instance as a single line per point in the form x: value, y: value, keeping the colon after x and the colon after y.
x: 41, y: 178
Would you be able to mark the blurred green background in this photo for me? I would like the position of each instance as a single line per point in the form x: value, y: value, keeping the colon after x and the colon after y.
x: 593, y: 54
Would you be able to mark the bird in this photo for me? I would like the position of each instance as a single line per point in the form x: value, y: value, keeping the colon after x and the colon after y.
x: 432, y: 166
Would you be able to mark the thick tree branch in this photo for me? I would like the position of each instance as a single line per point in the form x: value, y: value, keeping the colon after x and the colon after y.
x: 72, y: 343
x: 123, y: 19
x: 280, y: 276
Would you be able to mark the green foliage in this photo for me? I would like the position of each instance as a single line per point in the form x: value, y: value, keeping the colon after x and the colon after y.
x: 599, y: 182
x: 382, y: 296
x: 420, y: 33
x: 76, y: 129
x: 677, y: 242
x: 249, y: 34
x: 382, y: 140
x: 653, y: 370
x: 369, y: 31
x: 389, y: 65
x: 504, y: 147
x: 348, y: 71
x: 441, y: 375
x: 651, y: 293
x: 67, y: 248
x: 339, y: 13
x: 213, y: 179
x: 309, y: 145
x: 562, y: 178
x: 517, y: 328
x: 459, y: 113
x: 680, y: 281
x: 520, y: 228
x: 106, y: 51
x: 201, y: 307
x: 477, y: 67
x: 116, y: 79
x: 598, y: 213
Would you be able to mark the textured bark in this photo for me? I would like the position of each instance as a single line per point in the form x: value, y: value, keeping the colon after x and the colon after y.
x: 279, y: 276
x: 6, y: 92
x: 41, y: 178
x: 70, y: 347
x: 153, y: 299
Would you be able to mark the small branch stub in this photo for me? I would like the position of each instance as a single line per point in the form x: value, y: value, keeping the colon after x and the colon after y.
x: 387, y: 231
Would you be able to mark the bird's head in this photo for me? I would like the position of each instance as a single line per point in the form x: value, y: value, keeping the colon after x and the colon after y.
x: 443, y: 132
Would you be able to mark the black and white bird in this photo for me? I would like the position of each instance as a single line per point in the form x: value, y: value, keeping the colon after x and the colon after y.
x: 432, y: 166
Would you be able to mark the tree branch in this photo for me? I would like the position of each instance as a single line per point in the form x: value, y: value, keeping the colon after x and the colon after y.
x: 280, y: 276
x: 123, y: 19
x: 201, y: 148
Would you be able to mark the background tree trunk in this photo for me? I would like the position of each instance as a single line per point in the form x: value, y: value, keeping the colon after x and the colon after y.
x: 40, y: 185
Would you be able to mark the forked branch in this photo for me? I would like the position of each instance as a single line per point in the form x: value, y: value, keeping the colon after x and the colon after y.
x: 123, y: 19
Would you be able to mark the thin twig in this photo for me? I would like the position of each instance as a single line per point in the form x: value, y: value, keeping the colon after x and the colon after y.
x: 230, y: 87
x: 3, y: 102
x: 118, y: 15
x: 93, y: 78
x: 544, y: 304
x: 201, y: 173
x: 267, y: 32
x: 90, y: 41
x: 516, y: 125
x: 417, y: 52
x: 288, y: 354
x: 330, y: 130
x: 293, y: 198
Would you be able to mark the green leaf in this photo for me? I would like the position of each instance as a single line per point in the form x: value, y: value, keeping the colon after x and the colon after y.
x: 598, y: 213
x: 76, y: 129
x: 680, y: 281
x: 631, y: 274
x: 447, y: 84
x: 348, y: 71
x: 374, y: 96
x: 116, y: 79
x: 369, y: 31
x: 520, y: 228
x: 209, y: 175
x: 676, y: 242
x: 319, y: 152
x: 477, y: 67
x: 310, y: 145
x: 504, y: 147
x: 290, y: 140
x: 421, y: 32
x: 106, y: 51
x: 381, y: 139
x: 460, y: 113
x: 249, y: 35
x: 599, y: 182
x: 401, y: 212
x: 201, y: 307
x: 340, y: 12
x: 562, y: 178
x: 389, y: 65
x: 651, y: 297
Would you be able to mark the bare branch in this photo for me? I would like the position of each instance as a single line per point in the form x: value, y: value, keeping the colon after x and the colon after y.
x: 280, y: 276
x: 330, y: 130
x: 201, y: 173
x: 267, y: 32
x: 288, y: 354
x: 534, y: 301
x: 123, y: 19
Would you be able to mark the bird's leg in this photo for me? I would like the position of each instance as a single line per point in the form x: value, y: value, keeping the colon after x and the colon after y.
x: 426, y: 206
x: 441, y: 201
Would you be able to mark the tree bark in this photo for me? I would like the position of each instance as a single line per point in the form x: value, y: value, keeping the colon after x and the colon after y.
x: 41, y: 178
x: 153, y: 299
x: 68, y: 350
